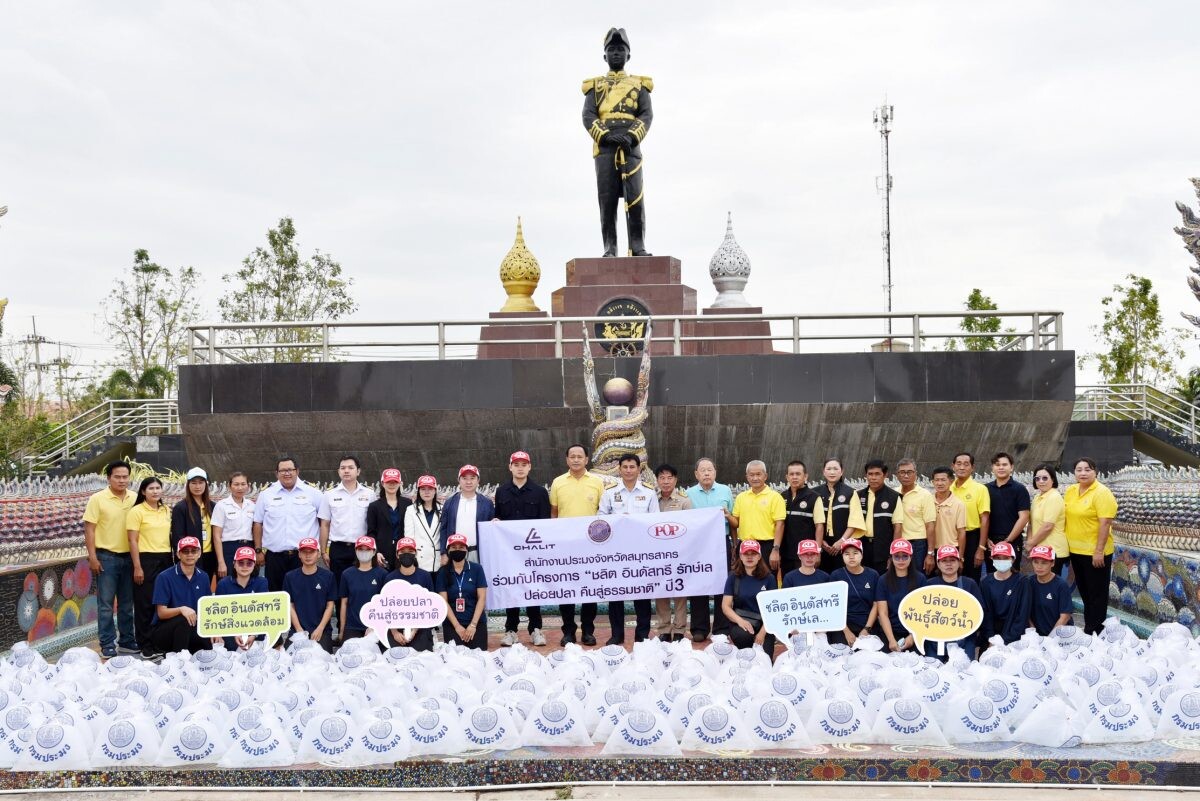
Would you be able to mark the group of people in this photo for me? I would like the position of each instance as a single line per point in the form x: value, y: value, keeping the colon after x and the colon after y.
x: 332, y: 551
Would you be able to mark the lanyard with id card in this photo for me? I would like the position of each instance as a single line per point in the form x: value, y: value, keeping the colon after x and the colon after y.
x: 460, y: 603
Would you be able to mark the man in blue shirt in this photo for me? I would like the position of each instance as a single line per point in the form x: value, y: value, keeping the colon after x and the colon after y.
x: 407, y: 570
x: 177, y: 593
x: 313, y: 594
x: 705, y: 494
x: 1049, y: 596
x: 242, y: 582
x: 358, y: 586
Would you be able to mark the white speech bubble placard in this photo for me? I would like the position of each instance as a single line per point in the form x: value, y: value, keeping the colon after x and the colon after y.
x: 817, y: 607
x: 401, y: 605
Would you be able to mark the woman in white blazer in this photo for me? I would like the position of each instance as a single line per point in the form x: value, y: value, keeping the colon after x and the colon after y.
x: 421, y: 521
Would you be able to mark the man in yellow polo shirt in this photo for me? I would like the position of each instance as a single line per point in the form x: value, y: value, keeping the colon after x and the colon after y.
x: 920, y: 515
x: 758, y: 513
x: 576, y: 493
x: 979, y: 512
x: 107, y: 543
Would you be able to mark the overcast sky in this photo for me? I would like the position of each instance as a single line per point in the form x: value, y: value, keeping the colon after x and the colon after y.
x: 1037, y: 150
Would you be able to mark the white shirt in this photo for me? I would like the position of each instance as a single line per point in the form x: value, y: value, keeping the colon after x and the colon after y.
x: 464, y: 522
x: 287, y: 516
x: 234, y: 521
x: 346, y: 512
x: 620, y: 500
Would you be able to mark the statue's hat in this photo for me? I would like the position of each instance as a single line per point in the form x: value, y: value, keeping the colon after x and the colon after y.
x: 618, y: 34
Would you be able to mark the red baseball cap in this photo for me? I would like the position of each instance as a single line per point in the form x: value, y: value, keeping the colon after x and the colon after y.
x: 426, y: 481
x: 188, y: 542
x: 750, y: 546
x: 391, y: 474
x: 468, y: 468
x: 1042, y: 552
x: 406, y: 542
x: 901, y: 546
x: 519, y: 456
x: 364, y: 542
x: 456, y: 539
x: 243, y: 554
x: 852, y: 543
x: 309, y: 544
x: 1002, y: 549
x: 808, y: 546
x: 947, y: 552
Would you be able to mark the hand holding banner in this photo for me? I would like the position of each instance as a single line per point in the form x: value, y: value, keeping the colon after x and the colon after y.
x: 401, y: 605
x: 268, y: 613
x: 940, y: 612
x: 817, y: 607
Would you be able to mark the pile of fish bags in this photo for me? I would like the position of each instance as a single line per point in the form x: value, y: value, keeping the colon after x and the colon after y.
x: 302, y: 706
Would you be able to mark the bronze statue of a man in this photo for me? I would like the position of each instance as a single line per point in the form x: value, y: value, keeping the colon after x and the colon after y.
x: 617, y: 115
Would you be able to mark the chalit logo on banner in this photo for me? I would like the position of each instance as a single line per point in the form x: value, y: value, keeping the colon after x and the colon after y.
x: 666, y: 531
x: 533, y: 542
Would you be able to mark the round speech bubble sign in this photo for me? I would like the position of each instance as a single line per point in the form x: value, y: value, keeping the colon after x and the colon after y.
x: 400, y: 605
x: 940, y: 612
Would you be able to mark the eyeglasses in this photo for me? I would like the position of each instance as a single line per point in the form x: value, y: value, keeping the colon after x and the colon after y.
x: 1041, y: 478
x: 286, y: 471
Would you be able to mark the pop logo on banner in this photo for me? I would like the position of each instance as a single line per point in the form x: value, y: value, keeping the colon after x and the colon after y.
x: 817, y: 607
x: 940, y: 612
x: 268, y: 613
x: 401, y: 605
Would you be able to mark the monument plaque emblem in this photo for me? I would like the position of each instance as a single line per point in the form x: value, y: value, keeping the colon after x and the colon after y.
x: 622, y: 338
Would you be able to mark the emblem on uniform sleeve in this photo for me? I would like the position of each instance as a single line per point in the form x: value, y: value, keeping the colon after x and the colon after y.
x: 841, y: 499
x: 884, y: 504
x: 803, y: 504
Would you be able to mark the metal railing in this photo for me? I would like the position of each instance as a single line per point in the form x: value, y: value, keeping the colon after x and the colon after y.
x: 112, y: 418
x: 1138, y: 402
x: 215, y: 343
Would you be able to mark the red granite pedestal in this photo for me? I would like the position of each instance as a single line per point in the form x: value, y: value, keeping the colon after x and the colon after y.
x: 629, y: 286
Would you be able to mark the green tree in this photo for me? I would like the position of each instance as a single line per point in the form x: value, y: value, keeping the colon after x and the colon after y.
x: 17, y: 431
x: 274, y: 284
x: 147, y: 314
x: 977, y: 301
x: 123, y: 385
x: 1188, y: 386
x: 8, y: 378
x: 1137, y: 347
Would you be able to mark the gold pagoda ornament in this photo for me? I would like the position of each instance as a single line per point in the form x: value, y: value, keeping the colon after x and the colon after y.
x: 520, y: 273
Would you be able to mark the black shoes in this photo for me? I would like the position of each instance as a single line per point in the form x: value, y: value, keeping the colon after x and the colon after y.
x: 589, y: 639
x: 567, y: 639
x: 615, y: 641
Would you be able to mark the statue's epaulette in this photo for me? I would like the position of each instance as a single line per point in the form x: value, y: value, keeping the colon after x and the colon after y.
x: 647, y: 82
x: 588, y: 85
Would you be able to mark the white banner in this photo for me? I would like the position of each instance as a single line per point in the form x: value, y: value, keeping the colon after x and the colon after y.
x: 572, y: 560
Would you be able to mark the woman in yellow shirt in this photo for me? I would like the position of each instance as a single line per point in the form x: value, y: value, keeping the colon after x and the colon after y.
x: 1090, y: 511
x: 1048, y: 517
x: 148, y: 526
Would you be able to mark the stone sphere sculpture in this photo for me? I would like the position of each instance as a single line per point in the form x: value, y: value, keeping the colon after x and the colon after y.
x: 618, y: 392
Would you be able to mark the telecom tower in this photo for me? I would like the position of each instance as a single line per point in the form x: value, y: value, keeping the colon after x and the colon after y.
x: 883, y: 121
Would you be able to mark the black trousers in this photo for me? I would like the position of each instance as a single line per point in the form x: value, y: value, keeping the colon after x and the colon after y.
x: 742, y: 639
x: 616, y: 619
x: 422, y: 640
x: 698, y: 605
x: 512, y: 618
x: 969, y: 568
x: 1092, y: 583
x: 479, y: 642
x: 615, y: 180
x: 278, y: 564
x: 143, y: 595
x: 587, y: 616
x: 341, y: 557
x: 831, y: 561
x: 174, y: 634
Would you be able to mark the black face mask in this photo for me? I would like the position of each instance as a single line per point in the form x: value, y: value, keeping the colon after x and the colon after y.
x: 407, y: 559
x: 457, y: 556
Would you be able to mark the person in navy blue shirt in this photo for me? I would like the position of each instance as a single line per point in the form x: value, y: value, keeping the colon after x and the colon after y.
x: 242, y: 582
x: 863, y: 582
x: 750, y: 576
x: 407, y: 570
x: 949, y: 566
x: 899, y: 580
x: 809, y: 552
x: 1005, y: 598
x: 359, y: 585
x: 1049, y: 596
x: 464, y: 587
x: 177, y: 594
x: 313, y: 593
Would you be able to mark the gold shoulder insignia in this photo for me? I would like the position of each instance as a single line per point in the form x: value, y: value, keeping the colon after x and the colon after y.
x: 647, y: 83
x: 588, y: 85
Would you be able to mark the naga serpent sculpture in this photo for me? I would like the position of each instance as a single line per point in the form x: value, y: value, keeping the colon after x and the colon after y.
x: 613, y: 438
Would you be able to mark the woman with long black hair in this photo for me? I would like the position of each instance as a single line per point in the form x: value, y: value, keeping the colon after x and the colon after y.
x: 843, y: 514
x: 148, y: 526
x: 192, y: 517
x: 900, y: 579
